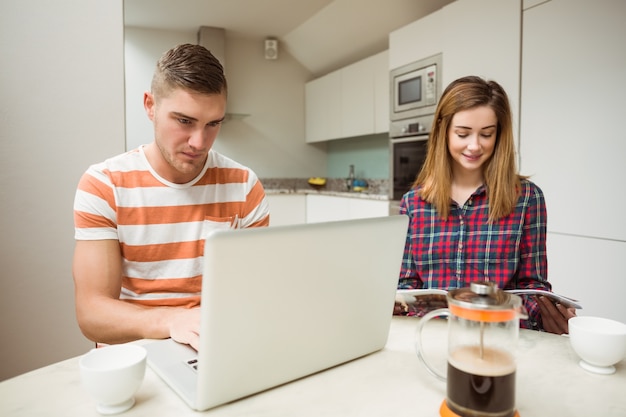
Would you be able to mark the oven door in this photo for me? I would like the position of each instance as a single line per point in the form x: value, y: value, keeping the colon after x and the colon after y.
x: 407, y: 157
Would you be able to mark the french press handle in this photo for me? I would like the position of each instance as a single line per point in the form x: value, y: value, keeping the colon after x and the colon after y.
x: 442, y: 312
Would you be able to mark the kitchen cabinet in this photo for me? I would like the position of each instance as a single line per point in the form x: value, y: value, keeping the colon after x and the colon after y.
x: 571, y: 129
x: 357, y: 101
x: 589, y: 270
x: 380, y: 62
x: 491, y: 49
x: 572, y: 145
x: 295, y: 208
x: 493, y: 52
x: 417, y: 40
x: 351, y: 101
x: 325, y: 208
x: 323, y: 108
x: 287, y: 209
x: 362, y: 208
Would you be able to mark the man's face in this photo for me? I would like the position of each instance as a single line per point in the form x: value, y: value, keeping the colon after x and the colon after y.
x: 185, y: 127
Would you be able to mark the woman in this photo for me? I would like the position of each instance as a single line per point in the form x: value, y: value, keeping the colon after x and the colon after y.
x: 472, y: 216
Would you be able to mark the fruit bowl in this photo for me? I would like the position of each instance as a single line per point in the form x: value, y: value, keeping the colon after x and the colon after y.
x: 317, y: 182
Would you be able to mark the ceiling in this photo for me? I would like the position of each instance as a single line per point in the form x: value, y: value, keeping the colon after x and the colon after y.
x: 322, y: 35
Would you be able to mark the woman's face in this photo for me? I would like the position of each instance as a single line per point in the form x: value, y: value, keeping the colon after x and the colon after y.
x: 472, y: 139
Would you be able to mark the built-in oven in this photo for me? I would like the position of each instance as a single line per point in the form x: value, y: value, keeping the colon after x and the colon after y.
x: 407, y: 149
x: 414, y: 92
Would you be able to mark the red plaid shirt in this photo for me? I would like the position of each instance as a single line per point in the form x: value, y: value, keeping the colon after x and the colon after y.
x: 463, y: 248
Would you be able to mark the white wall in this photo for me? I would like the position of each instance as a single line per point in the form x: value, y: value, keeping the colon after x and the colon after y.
x: 271, y: 139
x: 142, y: 49
x: 61, y: 108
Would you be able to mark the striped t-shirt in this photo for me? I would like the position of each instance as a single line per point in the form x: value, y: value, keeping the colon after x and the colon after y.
x: 160, y: 225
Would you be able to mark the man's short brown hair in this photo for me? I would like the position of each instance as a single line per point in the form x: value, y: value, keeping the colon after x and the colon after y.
x: 190, y: 67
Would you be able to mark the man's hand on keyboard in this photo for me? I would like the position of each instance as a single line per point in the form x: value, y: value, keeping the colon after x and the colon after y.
x: 185, y: 327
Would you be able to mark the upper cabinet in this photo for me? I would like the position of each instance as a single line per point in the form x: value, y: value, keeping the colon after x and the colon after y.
x: 492, y: 50
x: 417, y: 40
x: 574, y: 148
x: 352, y: 101
x: 323, y: 108
x: 380, y: 63
x: 357, y: 99
x: 475, y: 37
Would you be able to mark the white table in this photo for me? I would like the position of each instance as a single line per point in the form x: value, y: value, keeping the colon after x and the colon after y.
x: 391, y: 382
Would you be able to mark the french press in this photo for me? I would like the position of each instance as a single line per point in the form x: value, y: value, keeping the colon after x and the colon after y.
x: 483, y: 328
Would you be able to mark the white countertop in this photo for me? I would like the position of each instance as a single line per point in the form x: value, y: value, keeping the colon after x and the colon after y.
x: 391, y: 382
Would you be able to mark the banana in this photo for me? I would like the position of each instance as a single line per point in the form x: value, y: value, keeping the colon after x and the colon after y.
x: 317, y: 181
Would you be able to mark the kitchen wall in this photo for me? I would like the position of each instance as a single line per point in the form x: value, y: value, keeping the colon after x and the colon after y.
x: 142, y: 48
x: 368, y: 154
x: 271, y: 139
x: 61, y: 108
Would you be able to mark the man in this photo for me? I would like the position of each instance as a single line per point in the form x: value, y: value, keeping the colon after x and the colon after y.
x: 141, y: 217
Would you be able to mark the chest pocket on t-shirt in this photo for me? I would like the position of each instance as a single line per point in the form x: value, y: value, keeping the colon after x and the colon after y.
x: 219, y: 223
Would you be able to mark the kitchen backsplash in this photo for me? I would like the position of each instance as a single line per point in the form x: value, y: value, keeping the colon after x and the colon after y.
x: 374, y: 186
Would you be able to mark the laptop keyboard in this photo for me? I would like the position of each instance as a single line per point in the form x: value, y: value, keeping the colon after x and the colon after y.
x: 193, y: 363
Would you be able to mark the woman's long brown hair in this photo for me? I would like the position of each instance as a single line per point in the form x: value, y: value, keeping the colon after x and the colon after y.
x: 500, y: 171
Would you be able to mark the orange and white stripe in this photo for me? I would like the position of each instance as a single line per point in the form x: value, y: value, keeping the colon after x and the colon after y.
x: 160, y: 225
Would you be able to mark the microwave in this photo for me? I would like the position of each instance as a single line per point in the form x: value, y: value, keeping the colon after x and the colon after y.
x: 415, y: 88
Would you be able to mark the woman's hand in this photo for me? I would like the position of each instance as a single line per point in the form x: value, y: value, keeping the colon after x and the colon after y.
x: 555, y: 316
x: 400, y: 308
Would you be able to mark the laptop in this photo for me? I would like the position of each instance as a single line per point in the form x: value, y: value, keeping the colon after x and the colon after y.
x: 283, y: 302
